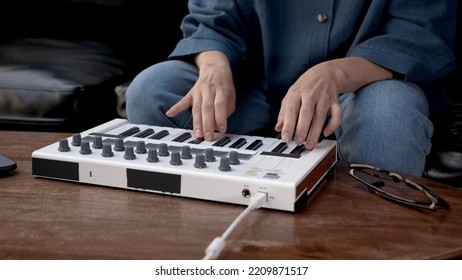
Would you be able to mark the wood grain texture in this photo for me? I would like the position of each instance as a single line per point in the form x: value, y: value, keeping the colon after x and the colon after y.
x: 50, y: 219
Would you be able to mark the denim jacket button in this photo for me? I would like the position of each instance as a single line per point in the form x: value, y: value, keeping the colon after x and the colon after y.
x: 322, y: 17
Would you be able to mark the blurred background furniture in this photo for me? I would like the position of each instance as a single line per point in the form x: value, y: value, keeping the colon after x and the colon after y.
x: 60, y: 60
x: 444, y: 164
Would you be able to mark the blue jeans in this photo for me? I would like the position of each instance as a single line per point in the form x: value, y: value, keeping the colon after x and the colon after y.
x: 386, y: 123
x: 160, y: 86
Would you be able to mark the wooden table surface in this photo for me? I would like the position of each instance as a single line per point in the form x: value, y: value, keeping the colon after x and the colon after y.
x: 50, y: 219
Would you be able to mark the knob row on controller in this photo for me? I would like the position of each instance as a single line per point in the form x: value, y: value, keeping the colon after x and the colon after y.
x: 141, y: 147
x: 130, y: 152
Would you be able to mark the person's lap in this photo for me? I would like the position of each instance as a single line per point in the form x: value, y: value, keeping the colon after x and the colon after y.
x: 385, y: 123
x: 159, y: 87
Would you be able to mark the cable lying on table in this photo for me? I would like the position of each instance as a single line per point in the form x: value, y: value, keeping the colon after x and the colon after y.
x: 216, y: 246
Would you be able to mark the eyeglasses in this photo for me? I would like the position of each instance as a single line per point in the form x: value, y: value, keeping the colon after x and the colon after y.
x: 388, y: 185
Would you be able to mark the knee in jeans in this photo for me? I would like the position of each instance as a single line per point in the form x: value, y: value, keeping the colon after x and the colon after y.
x: 391, y: 101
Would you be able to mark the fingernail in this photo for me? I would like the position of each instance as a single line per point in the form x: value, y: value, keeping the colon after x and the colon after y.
x: 286, y: 137
x: 197, y: 133
x: 299, y: 140
x: 310, y: 145
x: 209, y: 136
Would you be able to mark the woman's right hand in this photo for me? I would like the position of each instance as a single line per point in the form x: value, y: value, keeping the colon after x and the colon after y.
x: 212, y: 98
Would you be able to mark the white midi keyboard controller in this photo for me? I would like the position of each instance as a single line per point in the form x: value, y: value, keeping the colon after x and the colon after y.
x: 171, y: 161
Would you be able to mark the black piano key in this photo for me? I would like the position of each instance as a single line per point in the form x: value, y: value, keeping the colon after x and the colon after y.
x: 159, y: 135
x: 298, y: 150
x: 275, y: 154
x: 105, y: 135
x: 255, y: 145
x: 197, y: 141
x: 130, y: 131
x: 145, y: 133
x: 280, y: 148
x: 183, y: 137
x: 238, y: 143
x: 222, y: 142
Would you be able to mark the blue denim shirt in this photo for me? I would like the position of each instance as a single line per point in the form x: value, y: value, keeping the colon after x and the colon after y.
x: 281, y: 39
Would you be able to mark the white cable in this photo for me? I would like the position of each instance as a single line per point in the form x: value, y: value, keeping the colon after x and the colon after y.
x: 216, y: 246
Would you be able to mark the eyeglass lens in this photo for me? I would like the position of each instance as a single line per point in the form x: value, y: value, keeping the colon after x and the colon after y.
x: 390, y: 184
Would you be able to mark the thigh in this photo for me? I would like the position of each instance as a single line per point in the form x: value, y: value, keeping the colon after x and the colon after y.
x: 156, y: 89
x: 383, y: 96
x: 160, y: 86
x: 386, y: 124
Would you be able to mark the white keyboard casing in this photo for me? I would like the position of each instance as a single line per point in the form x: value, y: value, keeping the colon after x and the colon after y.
x: 288, y: 181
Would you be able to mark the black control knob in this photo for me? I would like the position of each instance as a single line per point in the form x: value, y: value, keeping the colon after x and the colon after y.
x: 98, y: 142
x: 152, y: 156
x: 234, y: 158
x: 200, y: 161
x: 119, y: 145
x: 224, y: 164
x: 64, y: 145
x: 175, y: 158
x: 129, y: 153
x: 186, y: 152
x: 163, y: 150
x: 76, y: 139
x: 209, y: 155
x: 85, y: 147
x: 140, y: 147
x: 107, y: 150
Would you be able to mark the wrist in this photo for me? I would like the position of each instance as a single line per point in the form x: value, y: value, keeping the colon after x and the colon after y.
x: 211, y: 58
